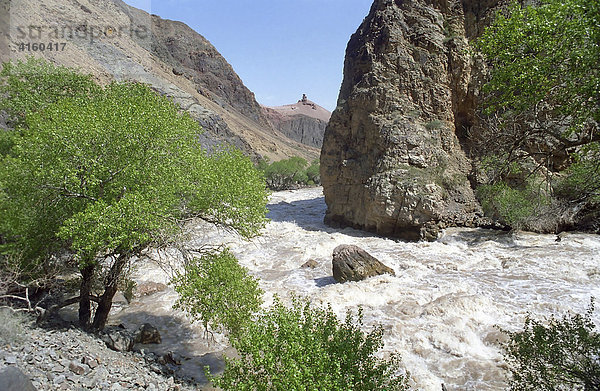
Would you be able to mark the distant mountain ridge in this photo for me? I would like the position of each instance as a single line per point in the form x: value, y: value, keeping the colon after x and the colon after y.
x: 114, y: 41
x: 304, y: 121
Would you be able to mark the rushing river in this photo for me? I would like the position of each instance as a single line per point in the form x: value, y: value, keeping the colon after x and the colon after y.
x: 441, y: 311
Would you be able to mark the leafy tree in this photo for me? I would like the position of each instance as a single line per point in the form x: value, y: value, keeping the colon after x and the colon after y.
x: 563, y: 354
x: 290, y: 173
x: 29, y: 86
x: 304, y: 347
x: 107, y: 175
x: 313, y: 173
x: 542, y: 100
x: 219, y: 292
x: 547, y: 55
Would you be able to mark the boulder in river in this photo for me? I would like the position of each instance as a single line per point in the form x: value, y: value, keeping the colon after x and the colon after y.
x: 148, y: 334
x: 352, y: 263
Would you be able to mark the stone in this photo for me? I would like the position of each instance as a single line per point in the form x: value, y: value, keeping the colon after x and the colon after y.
x: 58, y: 380
x: 395, y: 152
x: 304, y: 122
x: 119, y: 299
x: 89, y: 361
x: 310, y: 264
x: 148, y: 334
x: 78, y: 368
x: 352, y: 263
x: 118, y: 339
x: 13, y: 379
x: 11, y: 360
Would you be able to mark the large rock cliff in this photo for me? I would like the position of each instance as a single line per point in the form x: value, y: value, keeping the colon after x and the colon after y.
x: 393, y: 159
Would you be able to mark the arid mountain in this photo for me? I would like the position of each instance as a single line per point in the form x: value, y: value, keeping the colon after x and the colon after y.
x: 304, y: 121
x: 114, y: 41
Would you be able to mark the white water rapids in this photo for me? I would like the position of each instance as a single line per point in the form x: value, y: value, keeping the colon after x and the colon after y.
x: 441, y: 310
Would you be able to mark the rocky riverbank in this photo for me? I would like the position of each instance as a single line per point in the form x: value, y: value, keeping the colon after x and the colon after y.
x: 65, y: 358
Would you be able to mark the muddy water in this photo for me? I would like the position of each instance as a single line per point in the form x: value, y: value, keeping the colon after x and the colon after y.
x: 441, y: 311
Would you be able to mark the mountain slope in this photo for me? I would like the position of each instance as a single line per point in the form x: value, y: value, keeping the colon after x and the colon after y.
x: 304, y: 121
x: 114, y: 41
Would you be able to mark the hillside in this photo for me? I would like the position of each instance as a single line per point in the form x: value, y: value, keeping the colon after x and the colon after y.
x: 114, y: 41
x: 304, y: 121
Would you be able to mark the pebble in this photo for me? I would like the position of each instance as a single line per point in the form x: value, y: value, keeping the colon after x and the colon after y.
x: 70, y: 359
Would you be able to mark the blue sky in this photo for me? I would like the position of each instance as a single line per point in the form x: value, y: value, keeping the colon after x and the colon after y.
x: 280, y: 48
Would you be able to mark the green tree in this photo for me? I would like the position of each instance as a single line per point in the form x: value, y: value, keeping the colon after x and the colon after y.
x: 304, y: 347
x: 542, y: 100
x: 547, y: 55
x: 107, y: 175
x: 31, y: 85
x: 219, y: 292
x: 562, y: 354
x: 287, y: 173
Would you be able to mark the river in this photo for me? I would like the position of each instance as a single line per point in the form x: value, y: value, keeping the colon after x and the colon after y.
x: 442, y: 311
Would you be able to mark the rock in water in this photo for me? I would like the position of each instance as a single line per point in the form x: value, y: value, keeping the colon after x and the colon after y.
x: 352, y: 263
x: 148, y: 334
x: 12, y: 379
x: 394, y: 155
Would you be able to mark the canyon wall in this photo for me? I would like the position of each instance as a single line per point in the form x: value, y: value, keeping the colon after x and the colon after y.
x: 394, y: 159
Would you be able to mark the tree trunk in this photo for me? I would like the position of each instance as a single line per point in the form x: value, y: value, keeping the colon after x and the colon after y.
x: 85, y: 308
x: 110, y: 288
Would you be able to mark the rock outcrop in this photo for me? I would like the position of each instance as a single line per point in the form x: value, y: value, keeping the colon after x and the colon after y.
x: 393, y: 158
x: 352, y: 263
x: 304, y: 121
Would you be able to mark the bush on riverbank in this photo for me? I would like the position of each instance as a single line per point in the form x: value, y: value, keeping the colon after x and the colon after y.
x: 563, y: 354
x: 292, y: 173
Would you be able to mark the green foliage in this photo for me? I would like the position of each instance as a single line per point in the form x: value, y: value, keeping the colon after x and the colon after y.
x: 563, y: 354
x: 230, y: 191
x: 30, y: 86
x: 107, y: 171
x: 219, y: 292
x: 582, y: 180
x: 546, y: 53
x: 303, y: 347
x: 115, y: 171
x: 512, y: 206
x: 290, y: 173
x: 543, y: 97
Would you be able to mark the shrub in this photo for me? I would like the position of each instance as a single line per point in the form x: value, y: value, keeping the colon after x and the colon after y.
x: 511, y: 206
x: 219, y: 292
x: 563, y: 354
x: 304, y: 347
x: 290, y: 173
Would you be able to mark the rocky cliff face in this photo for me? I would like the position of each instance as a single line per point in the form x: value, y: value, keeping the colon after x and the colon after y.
x: 114, y: 41
x: 304, y: 121
x: 393, y: 158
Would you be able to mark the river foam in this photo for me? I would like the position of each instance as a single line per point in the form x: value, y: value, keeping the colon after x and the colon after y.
x: 443, y: 309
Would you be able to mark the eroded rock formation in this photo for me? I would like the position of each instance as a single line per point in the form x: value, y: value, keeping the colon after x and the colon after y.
x: 393, y: 159
x: 304, y: 121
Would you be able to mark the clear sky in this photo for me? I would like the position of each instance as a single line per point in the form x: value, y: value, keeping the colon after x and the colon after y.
x: 280, y: 48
